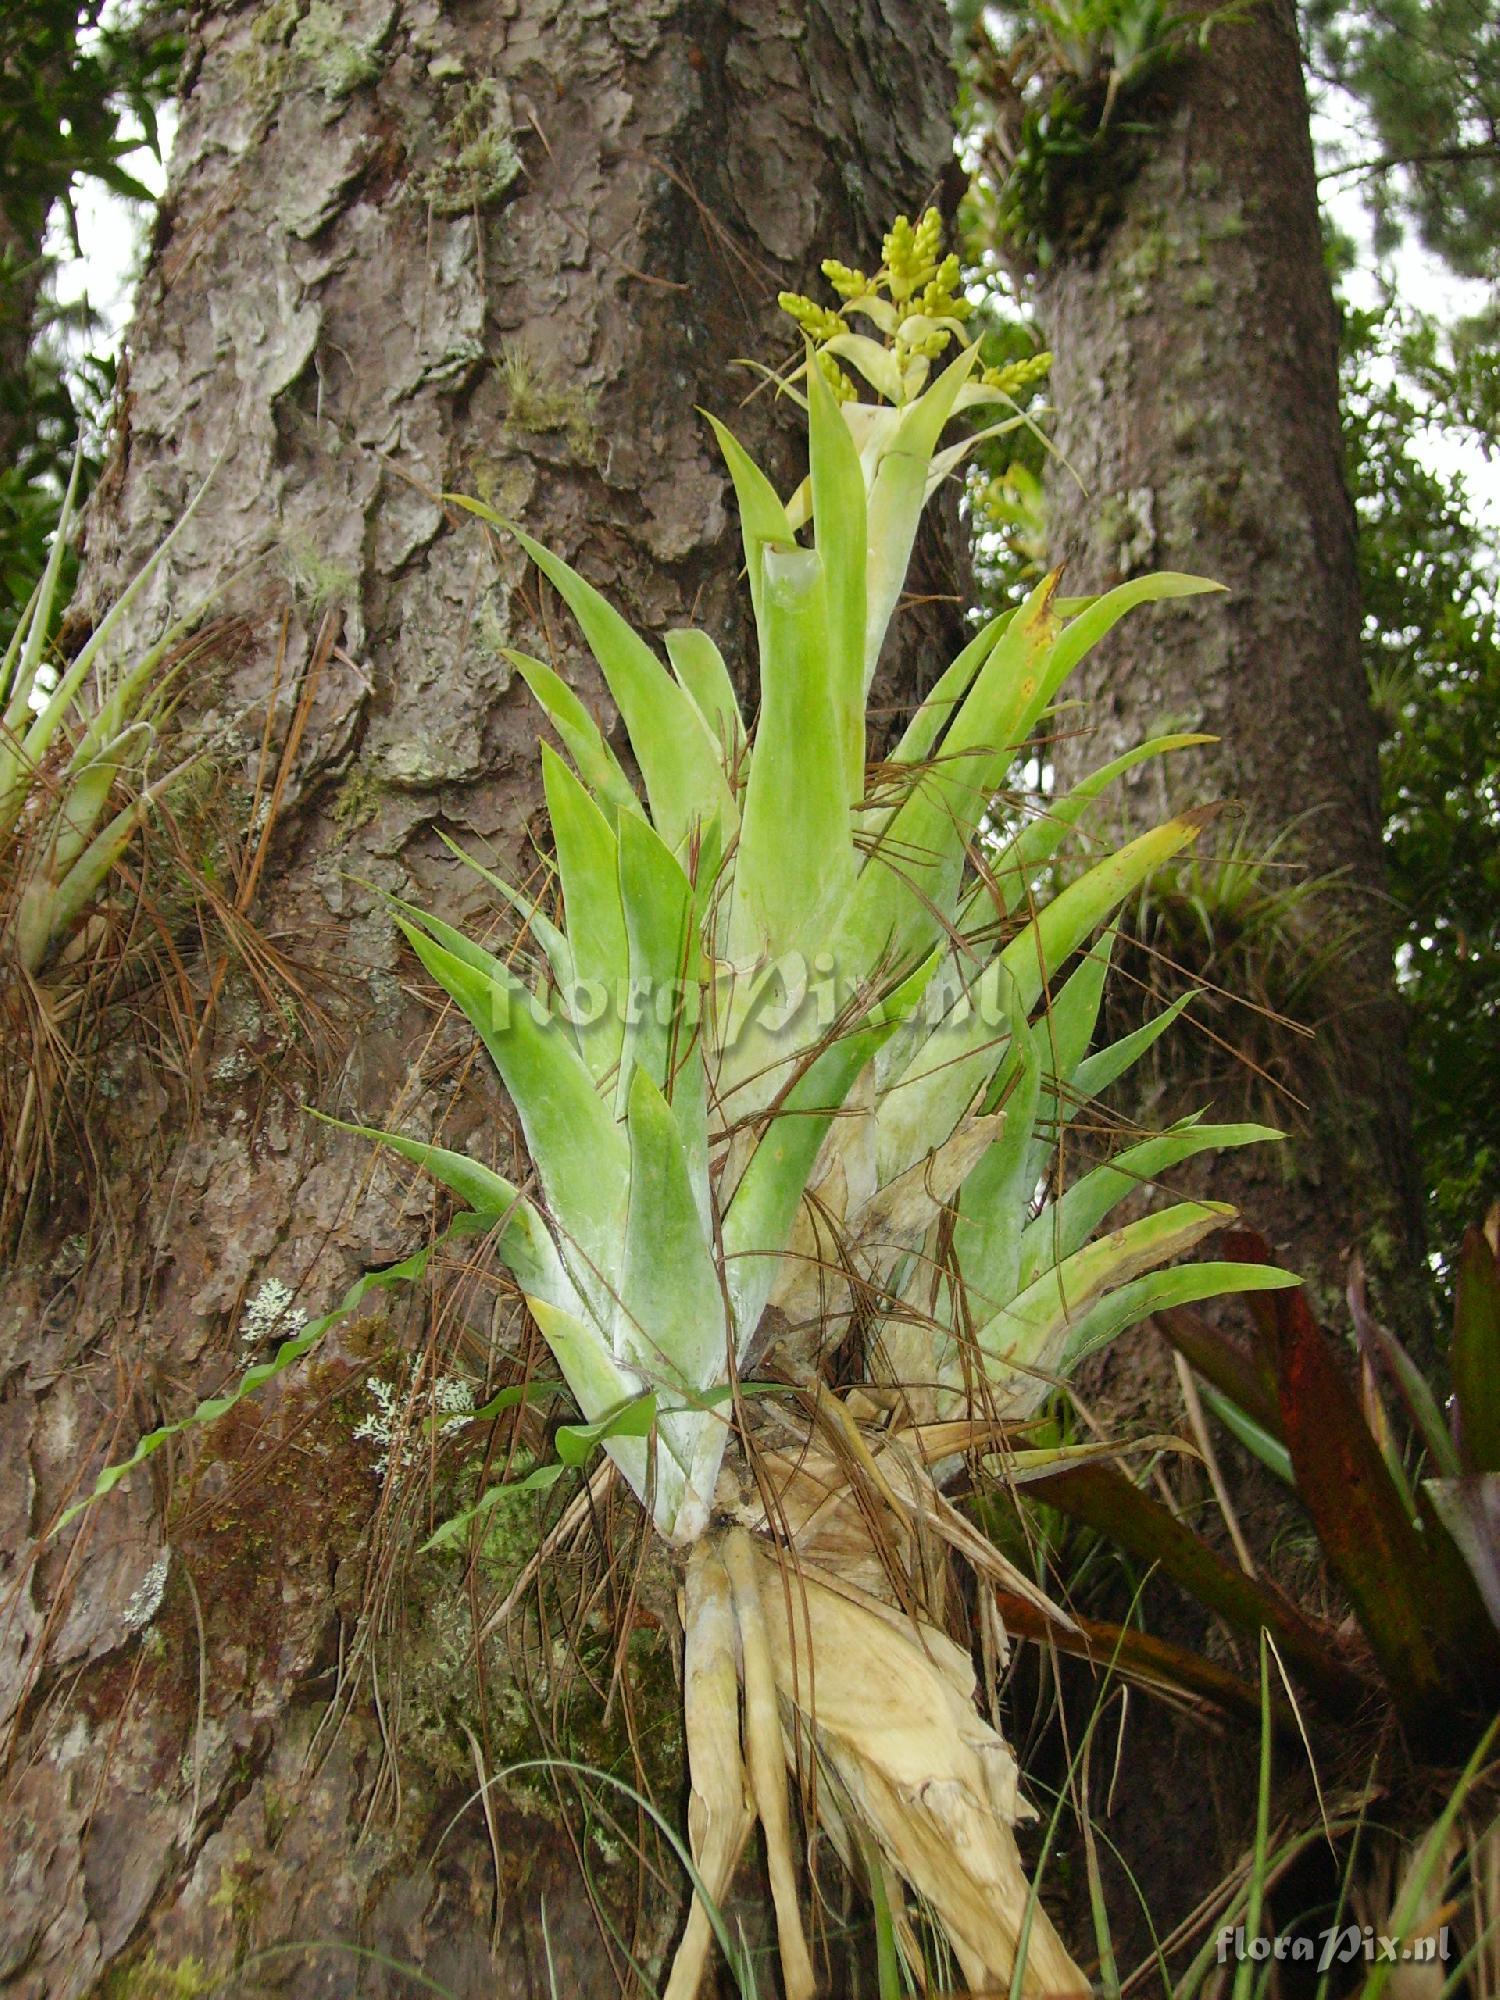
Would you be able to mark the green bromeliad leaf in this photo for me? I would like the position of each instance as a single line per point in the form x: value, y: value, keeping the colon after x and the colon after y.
x: 796, y: 854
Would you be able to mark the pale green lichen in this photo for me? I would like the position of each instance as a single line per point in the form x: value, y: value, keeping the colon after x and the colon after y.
x: 270, y: 1317
x: 337, y: 61
x: 319, y: 582
x: 399, y: 1425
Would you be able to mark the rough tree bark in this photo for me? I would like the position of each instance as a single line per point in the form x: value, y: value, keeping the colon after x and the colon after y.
x: 1192, y: 320
x: 1190, y: 314
x: 502, y: 246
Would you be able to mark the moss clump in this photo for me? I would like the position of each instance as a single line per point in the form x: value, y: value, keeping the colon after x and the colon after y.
x: 537, y: 401
x: 481, y: 159
x: 151, y: 1978
x: 357, y: 799
x: 261, y: 69
x: 318, y: 582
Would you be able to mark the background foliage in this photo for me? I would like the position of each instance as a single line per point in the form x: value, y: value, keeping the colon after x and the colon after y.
x: 81, y: 88
x: 1429, y: 573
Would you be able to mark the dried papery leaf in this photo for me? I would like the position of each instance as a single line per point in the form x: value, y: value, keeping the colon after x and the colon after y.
x: 890, y: 1709
x: 720, y: 1810
x: 763, y: 1749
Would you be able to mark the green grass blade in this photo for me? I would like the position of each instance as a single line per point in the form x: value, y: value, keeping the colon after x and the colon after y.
x: 559, y: 952
x: 1105, y: 1499
x: 1260, y: 1442
x: 286, y: 1356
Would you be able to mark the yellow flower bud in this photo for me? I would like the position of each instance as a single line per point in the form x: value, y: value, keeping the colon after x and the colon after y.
x: 846, y: 281
x: 817, y: 322
x: 843, y: 389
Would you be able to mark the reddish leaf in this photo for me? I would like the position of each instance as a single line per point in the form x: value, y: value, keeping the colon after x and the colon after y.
x: 1371, y: 1545
x: 1104, y: 1499
x: 1223, y: 1361
x: 1248, y: 1246
x: 1154, y: 1664
x: 1381, y: 1346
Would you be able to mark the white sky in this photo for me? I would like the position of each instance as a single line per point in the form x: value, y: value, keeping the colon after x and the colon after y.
x: 111, y: 235
x: 1420, y: 278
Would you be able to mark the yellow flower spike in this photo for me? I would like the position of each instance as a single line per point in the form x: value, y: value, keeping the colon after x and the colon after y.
x: 1015, y: 376
x: 845, y: 280
x: 817, y: 322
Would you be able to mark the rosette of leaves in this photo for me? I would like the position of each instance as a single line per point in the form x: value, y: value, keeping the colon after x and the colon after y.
x: 790, y: 1056
x: 791, y: 1045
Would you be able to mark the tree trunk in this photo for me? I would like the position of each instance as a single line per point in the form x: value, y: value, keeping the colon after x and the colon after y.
x: 1190, y: 315
x: 504, y: 248
x: 21, y: 269
x: 1195, y: 378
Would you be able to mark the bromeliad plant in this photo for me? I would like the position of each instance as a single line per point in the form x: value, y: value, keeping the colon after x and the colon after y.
x: 81, y: 770
x: 791, y: 1052
x: 790, y: 1061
